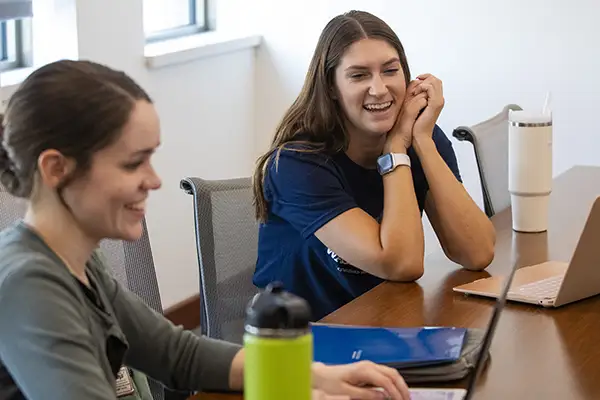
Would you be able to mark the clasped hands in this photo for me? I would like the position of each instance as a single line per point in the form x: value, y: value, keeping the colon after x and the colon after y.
x: 421, y: 107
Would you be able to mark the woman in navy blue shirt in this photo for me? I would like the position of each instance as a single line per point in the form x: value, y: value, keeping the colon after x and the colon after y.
x: 354, y: 162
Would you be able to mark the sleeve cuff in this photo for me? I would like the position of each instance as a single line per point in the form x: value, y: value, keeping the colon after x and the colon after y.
x: 325, y: 218
x: 216, y: 375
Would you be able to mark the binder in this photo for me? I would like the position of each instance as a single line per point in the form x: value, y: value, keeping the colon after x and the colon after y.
x: 395, y: 347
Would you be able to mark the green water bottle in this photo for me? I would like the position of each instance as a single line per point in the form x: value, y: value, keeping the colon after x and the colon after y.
x: 278, y: 347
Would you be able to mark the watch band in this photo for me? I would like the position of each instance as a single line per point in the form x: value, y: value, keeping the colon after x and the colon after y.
x: 401, y: 159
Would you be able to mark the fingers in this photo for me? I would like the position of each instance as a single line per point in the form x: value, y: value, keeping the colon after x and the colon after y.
x: 416, y: 104
x: 427, y: 77
x: 357, y: 393
x: 395, y: 376
x: 426, y: 82
x: 371, y: 374
x: 424, y: 87
x: 417, y: 98
x: 433, y: 91
x: 320, y: 395
x: 410, y: 111
x: 412, y: 85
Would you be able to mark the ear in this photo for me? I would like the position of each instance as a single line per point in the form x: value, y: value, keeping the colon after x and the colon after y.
x: 54, y: 167
x: 333, y: 92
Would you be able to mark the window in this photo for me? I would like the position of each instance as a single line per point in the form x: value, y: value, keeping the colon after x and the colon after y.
x: 164, y: 19
x: 15, y: 44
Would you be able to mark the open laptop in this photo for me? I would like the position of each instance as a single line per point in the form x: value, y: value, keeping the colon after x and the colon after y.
x: 467, y: 394
x: 554, y: 283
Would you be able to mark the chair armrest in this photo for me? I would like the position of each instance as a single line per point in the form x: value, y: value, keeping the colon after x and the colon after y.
x: 464, y: 133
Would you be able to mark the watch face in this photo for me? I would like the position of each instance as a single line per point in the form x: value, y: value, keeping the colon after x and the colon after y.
x: 385, y: 163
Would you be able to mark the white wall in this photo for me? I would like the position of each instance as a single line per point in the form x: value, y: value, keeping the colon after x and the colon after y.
x: 488, y: 54
x: 207, y: 128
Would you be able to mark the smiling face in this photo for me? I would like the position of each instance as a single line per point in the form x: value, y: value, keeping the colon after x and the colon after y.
x: 370, y: 86
x: 109, y: 200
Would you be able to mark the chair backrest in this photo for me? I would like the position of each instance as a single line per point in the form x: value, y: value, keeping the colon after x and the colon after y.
x: 490, y: 144
x: 131, y: 263
x: 226, y: 244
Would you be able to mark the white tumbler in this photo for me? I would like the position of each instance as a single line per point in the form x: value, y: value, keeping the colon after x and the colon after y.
x: 529, y: 169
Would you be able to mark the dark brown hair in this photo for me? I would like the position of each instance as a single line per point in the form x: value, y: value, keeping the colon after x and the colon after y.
x: 74, y: 107
x: 315, y: 116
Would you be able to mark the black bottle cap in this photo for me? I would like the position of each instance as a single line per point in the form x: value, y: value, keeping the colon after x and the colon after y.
x: 274, y: 308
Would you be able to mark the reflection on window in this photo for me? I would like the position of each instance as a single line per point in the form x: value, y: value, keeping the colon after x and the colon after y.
x: 15, y: 44
x: 164, y: 19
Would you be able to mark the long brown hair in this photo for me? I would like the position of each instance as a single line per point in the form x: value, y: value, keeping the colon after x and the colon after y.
x: 315, y: 115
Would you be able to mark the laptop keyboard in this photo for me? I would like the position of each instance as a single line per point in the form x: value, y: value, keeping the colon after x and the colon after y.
x: 437, y: 394
x: 545, y: 288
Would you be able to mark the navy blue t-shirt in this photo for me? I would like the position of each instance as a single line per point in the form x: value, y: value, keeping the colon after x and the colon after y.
x: 304, y: 191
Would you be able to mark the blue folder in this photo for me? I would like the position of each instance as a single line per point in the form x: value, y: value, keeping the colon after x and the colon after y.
x: 394, y: 347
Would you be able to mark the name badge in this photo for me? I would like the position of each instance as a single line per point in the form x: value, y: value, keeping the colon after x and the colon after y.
x: 124, y: 383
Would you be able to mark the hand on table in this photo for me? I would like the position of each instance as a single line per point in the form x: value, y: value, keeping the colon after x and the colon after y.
x: 354, y: 381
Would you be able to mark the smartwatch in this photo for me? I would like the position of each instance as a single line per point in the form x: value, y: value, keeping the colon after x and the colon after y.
x: 388, y: 162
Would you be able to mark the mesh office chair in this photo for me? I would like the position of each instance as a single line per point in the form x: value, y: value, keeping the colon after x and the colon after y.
x: 131, y: 264
x: 490, y: 144
x: 226, y: 244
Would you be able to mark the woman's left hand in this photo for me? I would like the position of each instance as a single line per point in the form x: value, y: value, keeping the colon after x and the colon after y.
x: 359, y: 380
x: 435, y: 102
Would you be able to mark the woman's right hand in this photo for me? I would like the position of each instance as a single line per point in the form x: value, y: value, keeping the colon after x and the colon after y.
x: 320, y: 395
x: 359, y: 380
x: 399, y: 138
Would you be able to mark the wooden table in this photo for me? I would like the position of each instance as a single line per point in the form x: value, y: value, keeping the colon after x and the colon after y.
x: 536, y: 353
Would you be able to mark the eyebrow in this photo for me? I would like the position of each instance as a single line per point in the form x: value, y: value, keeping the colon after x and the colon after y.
x: 143, y: 152
x: 390, y: 61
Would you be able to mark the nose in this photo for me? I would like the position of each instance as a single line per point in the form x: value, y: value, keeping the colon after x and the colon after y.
x: 152, y: 181
x: 378, y: 87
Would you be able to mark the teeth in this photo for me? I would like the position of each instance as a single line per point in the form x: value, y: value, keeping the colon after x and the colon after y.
x: 380, y: 106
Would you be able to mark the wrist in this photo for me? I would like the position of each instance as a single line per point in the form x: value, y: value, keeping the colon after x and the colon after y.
x: 236, y: 372
x: 423, y: 143
x: 317, y: 371
x: 401, y: 148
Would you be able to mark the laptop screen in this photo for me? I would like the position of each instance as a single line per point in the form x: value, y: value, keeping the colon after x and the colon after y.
x: 487, y: 339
